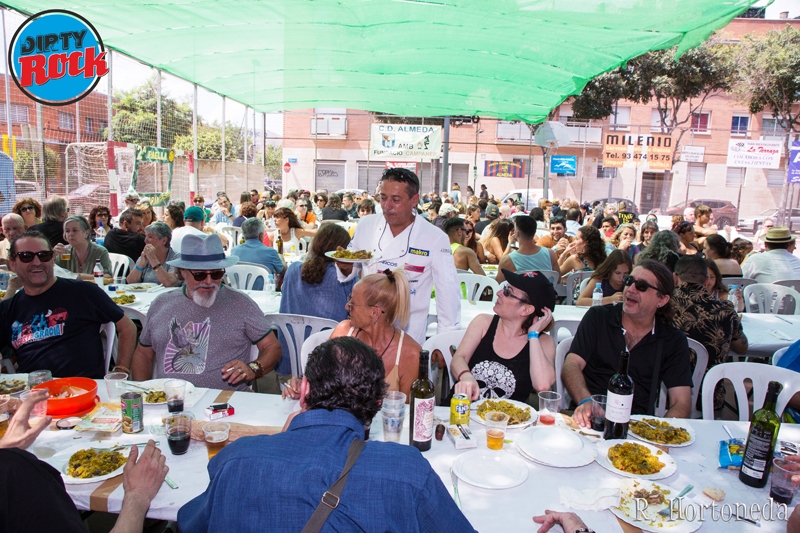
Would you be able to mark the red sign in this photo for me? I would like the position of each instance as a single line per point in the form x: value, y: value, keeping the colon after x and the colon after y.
x: 287, y: 167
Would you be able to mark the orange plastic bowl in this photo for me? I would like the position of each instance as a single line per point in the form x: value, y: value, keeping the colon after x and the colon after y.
x: 73, y: 404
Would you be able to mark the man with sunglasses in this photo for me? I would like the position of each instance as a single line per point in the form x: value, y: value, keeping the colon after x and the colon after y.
x: 464, y: 257
x: 203, y: 333
x: 398, y: 237
x: 659, y: 352
x: 53, y: 323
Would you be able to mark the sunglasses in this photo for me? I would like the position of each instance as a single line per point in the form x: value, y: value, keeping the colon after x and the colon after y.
x: 27, y: 257
x: 27, y: 208
x: 508, y: 294
x: 201, y: 275
x: 198, y: 201
x: 640, y: 284
x: 270, y: 204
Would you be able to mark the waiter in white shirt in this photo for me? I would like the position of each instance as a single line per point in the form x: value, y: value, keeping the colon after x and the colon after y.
x: 399, y: 237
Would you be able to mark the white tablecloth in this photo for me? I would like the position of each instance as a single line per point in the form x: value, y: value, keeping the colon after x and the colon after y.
x: 488, y: 510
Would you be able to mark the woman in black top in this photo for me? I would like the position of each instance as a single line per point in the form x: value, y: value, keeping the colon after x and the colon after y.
x: 334, y: 211
x: 508, y: 355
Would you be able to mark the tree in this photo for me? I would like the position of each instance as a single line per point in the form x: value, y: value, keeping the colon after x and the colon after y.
x: 26, y: 165
x: 136, y: 116
x: 274, y: 166
x: 209, y: 142
x: 600, y: 96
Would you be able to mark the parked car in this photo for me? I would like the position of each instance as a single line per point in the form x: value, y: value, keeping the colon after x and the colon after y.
x: 632, y: 207
x: 533, y: 196
x: 83, y: 199
x: 725, y: 213
x: 754, y: 222
x: 29, y: 189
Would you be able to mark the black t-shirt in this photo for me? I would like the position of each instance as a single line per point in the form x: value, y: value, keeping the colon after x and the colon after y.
x: 498, y: 377
x: 53, y: 230
x: 481, y: 225
x: 599, y: 341
x: 123, y: 242
x: 34, y: 496
x: 58, y: 330
x: 625, y: 217
x: 334, y: 214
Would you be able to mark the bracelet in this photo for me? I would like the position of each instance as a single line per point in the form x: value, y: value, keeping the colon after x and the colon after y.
x: 533, y: 334
x: 589, y: 399
x: 124, y: 368
x: 458, y: 378
x: 156, y: 267
x: 137, y: 267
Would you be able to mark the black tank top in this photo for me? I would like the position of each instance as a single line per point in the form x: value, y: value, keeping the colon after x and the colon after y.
x: 508, y: 379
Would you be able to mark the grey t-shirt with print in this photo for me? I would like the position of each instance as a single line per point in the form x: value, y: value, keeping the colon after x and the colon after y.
x: 192, y: 342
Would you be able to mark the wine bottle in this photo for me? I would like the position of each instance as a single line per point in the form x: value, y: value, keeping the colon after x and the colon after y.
x: 421, y: 404
x: 279, y: 244
x: 619, y: 401
x: 764, y: 427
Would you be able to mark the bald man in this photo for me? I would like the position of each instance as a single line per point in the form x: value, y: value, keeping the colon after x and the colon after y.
x: 13, y: 226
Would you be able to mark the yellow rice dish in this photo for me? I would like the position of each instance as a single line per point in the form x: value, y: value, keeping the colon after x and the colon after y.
x: 516, y: 415
x: 90, y: 463
x: 665, y: 434
x: 634, y: 459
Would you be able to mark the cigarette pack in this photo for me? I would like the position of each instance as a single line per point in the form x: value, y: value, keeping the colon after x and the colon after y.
x: 461, y: 437
x: 218, y: 411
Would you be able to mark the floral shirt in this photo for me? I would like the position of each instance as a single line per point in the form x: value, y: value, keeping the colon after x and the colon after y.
x: 711, y: 322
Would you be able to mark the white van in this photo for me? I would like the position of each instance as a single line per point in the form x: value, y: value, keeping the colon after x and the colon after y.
x: 533, y: 196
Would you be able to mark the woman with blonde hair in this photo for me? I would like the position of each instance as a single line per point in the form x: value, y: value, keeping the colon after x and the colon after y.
x: 623, y: 238
x: 148, y: 214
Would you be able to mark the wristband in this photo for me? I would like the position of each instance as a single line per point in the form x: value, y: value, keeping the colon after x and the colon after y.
x: 458, y: 378
x: 533, y: 334
x: 156, y: 267
x: 123, y: 368
x: 137, y: 267
x: 589, y: 399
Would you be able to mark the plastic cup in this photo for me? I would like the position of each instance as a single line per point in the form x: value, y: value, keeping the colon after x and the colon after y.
x: 393, y: 420
x: 66, y: 254
x: 39, y: 410
x: 4, y: 414
x: 178, y: 428
x: 599, y: 412
x: 782, y: 488
x: 496, y: 425
x: 216, y: 437
x: 548, y: 407
x: 175, y: 389
x: 115, y: 384
x: 37, y: 377
x: 394, y: 400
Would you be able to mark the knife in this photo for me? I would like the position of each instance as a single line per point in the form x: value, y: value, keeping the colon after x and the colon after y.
x: 456, y: 497
x: 744, y: 518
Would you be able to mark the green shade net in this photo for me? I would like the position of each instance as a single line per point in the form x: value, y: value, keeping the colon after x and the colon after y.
x: 499, y: 58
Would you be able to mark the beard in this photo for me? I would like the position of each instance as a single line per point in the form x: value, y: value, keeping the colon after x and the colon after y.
x: 205, y: 300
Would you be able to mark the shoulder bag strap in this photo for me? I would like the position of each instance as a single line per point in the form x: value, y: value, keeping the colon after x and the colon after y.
x: 330, y: 500
x: 655, y: 386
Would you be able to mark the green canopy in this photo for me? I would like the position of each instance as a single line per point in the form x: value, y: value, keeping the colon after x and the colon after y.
x: 511, y: 59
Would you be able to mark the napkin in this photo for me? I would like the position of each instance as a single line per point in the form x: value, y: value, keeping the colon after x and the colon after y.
x: 589, y: 500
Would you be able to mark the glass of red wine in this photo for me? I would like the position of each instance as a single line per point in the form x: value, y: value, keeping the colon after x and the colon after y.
x: 782, y: 487
x: 548, y: 407
x: 179, y: 432
x: 599, y: 412
x: 175, y: 389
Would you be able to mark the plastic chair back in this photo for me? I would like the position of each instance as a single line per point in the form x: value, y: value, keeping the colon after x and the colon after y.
x: 121, y: 265
x: 312, y: 342
x: 791, y: 283
x: 771, y: 298
x: 110, y: 346
x: 233, y: 233
x: 242, y: 276
x: 569, y: 325
x: 760, y: 375
x: 442, y: 342
x: 475, y: 285
x: 572, y: 280
x: 740, y: 282
x: 296, y: 329
x: 562, y: 350
x: 697, y: 379
x: 777, y: 355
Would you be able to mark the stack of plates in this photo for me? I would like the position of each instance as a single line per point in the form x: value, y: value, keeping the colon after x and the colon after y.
x: 555, y: 446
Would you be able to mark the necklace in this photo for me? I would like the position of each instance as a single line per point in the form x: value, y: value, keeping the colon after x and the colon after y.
x: 394, y: 332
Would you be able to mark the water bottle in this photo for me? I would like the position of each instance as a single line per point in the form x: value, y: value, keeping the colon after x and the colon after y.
x: 4, y: 276
x: 270, y: 285
x: 100, y: 235
x: 98, y: 274
x: 732, y: 298
x: 597, y: 294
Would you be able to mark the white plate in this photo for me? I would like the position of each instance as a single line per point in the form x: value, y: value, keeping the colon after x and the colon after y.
x: 474, y: 413
x: 330, y: 255
x: 555, y: 446
x: 669, y: 463
x: 63, y: 460
x: 490, y: 469
x: 676, y: 422
x: 139, y: 287
x: 15, y: 377
x: 655, y: 522
x: 158, y: 384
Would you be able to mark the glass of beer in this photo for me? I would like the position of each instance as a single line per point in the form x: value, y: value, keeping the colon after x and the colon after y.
x: 216, y: 437
x: 3, y: 414
x: 66, y: 253
x: 496, y: 424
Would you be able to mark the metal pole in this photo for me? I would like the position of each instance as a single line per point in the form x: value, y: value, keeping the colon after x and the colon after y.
x: 530, y: 167
x: 246, y: 167
x: 77, y: 122
x: 475, y: 161
x: 546, y: 174
x: 158, y: 108
x: 369, y: 147
x: 446, y: 154
x: 42, y: 163
x: 8, y: 84
x: 224, y: 173
x: 316, y: 138
x: 264, y: 140
x: 583, y: 159
x: 194, y: 181
x: 110, y: 99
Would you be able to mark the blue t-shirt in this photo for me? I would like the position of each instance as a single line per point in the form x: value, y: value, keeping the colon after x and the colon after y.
x: 390, y: 488
x: 254, y: 251
x: 59, y: 330
x: 220, y: 217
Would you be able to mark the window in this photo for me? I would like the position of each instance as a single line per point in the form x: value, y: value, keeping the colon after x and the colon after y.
x: 621, y: 119
x: 88, y: 125
x: 66, y: 121
x: 329, y: 121
x: 697, y: 173
x: 735, y: 177
x: 565, y: 113
x: 512, y: 131
x: 773, y: 127
x: 606, y: 173
x: 655, y: 120
x: 776, y: 177
x: 700, y: 122
x: 19, y: 113
x: 739, y: 124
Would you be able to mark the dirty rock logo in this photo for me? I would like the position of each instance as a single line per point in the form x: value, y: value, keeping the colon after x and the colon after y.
x: 57, y: 57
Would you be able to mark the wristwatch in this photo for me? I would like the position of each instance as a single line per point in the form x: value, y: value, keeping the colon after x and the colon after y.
x: 584, y: 530
x: 257, y: 369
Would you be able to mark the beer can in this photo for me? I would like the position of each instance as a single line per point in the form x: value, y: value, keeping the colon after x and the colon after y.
x: 132, y: 405
x: 459, y: 410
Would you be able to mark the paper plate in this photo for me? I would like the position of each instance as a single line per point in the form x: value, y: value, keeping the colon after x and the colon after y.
x: 534, y: 415
x: 330, y: 255
x: 490, y: 469
x: 649, y: 519
x: 7, y: 378
x: 675, y: 422
x: 554, y: 446
x: 158, y: 385
x: 669, y: 463
x: 139, y: 287
x: 61, y: 462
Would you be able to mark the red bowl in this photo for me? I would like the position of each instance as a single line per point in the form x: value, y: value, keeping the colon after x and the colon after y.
x: 73, y: 404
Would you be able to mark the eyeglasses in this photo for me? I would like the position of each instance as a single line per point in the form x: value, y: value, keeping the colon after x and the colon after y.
x: 198, y: 201
x: 640, y: 284
x: 201, y: 275
x: 468, y: 231
x: 270, y: 204
x: 302, y: 205
x: 26, y: 257
x: 27, y: 208
x: 508, y: 294
x: 351, y: 304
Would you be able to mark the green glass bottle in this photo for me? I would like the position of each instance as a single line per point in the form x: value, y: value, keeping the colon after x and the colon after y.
x: 763, y: 434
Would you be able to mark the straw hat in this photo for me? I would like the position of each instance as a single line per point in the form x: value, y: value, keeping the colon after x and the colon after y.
x: 778, y: 234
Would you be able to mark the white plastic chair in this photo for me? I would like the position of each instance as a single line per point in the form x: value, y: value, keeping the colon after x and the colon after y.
x: 791, y: 283
x: 562, y: 350
x: 296, y: 329
x: 569, y: 325
x: 760, y: 375
x: 9, y: 366
x: 233, y: 233
x: 120, y: 264
x: 771, y: 298
x: 574, y: 279
x: 697, y: 379
x: 110, y: 344
x: 242, y: 276
x: 552, y: 276
x: 741, y: 282
x: 442, y: 342
x: 312, y: 342
x: 475, y: 285
x: 777, y: 355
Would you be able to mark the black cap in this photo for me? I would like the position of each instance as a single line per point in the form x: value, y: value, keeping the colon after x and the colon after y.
x: 540, y: 291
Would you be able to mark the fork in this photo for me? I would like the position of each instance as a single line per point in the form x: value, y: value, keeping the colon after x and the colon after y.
x: 666, y: 511
x: 121, y: 446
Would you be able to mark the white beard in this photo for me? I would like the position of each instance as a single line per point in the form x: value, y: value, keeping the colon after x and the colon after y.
x: 205, y: 301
